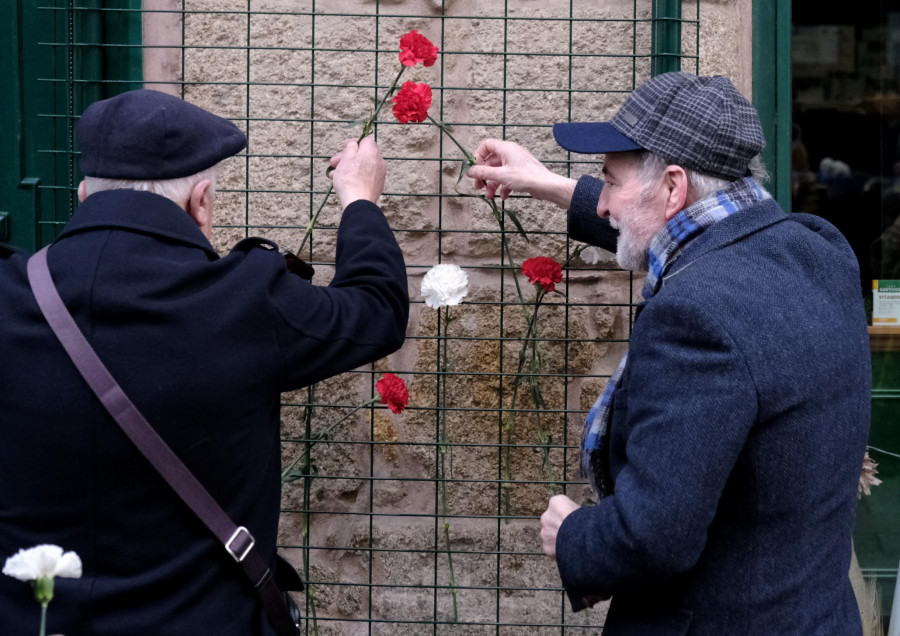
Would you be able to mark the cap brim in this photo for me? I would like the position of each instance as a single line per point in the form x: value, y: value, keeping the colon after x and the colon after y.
x: 592, y: 138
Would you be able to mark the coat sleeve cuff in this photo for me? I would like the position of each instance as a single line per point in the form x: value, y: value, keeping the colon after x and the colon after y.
x: 576, y: 602
x: 583, y: 223
x: 574, y: 560
x: 360, y: 205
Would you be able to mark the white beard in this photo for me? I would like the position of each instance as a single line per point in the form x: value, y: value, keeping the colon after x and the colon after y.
x: 636, y: 232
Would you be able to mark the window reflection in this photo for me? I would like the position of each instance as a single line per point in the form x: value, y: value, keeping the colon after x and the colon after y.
x: 845, y: 167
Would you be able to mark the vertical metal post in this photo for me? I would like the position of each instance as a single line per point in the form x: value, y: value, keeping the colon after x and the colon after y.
x: 772, y: 91
x: 665, y: 52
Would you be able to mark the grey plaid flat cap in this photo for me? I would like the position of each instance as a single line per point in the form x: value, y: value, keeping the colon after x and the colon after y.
x: 701, y: 123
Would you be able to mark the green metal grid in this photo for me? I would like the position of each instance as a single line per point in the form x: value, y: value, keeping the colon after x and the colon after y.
x: 101, y: 47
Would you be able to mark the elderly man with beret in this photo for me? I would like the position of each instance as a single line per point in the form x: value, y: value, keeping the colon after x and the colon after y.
x: 726, y: 449
x: 203, y: 344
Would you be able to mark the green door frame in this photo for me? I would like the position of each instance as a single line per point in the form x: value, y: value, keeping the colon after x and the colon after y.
x: 57, y: 59
x: 666, y: 37
x: 772, y: 91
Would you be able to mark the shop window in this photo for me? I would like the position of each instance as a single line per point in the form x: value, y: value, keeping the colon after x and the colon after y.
x: 845, y: 167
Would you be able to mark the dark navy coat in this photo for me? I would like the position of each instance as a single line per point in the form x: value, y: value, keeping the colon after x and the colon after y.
x: 736, y: 441
x: 204, y: 346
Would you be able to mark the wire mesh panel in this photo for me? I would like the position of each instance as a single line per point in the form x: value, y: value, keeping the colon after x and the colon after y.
x: 424, y: 521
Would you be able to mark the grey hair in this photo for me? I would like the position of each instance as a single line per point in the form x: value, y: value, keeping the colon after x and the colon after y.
x: 178, y: 190
x: 700, y: 185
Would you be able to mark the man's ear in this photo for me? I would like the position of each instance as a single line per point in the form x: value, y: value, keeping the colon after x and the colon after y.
x: 200, y: 206
x: 82, y: 191
x: 675, y: 181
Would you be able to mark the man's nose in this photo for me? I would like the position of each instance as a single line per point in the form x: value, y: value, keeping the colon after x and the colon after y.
x: 602, y: 208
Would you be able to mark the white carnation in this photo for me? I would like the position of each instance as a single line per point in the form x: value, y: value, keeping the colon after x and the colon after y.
x: 43, y: 561
x: 444, y: 285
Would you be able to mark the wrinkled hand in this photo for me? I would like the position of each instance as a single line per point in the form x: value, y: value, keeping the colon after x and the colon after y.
x: 359, y: 172
x: 508, y: 167
x: 557, y: 510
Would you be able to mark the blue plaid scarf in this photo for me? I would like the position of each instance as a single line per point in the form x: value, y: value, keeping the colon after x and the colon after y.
x: 664, y: 250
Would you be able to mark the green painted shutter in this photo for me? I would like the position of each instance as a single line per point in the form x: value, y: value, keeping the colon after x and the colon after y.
x: 56, y: 58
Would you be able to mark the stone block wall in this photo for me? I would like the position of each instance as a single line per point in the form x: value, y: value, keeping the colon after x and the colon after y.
x: 464, y: 473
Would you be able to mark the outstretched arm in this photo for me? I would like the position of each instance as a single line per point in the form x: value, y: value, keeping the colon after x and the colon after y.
x: 508, y: 167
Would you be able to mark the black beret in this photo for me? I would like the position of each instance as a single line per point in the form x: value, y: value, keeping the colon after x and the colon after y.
x: 146, y: 135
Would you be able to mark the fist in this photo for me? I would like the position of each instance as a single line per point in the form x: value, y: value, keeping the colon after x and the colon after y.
x: 557, y: 510
x: 359, y: 172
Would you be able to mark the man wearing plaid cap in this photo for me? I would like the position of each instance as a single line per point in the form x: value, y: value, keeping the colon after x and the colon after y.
x: 726, y: 449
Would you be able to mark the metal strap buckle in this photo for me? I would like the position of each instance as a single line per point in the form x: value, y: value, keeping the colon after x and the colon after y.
x: 245, y: 543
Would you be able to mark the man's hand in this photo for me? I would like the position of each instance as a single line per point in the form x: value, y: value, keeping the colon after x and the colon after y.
x: 359, y: 172
x: 558, y: 509
x: 508, y: 167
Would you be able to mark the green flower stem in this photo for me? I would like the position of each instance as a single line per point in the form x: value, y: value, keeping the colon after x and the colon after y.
x: 530, y: 339
x: 43, y: 631
x: 534, y: 367
x: 307, y: 483
x: 446, y: 130
x: 544, y: 439
x: 43, y: 592
x: 312, y: 609
x: 369, y: 126
x: 368, y: 129
x: 450, y: 563
x: 322, y: 434
x: 314, y: 219
x: 515, y: 275
x: 443, y: 449
x: 509, y: 422
x: 307, y: 494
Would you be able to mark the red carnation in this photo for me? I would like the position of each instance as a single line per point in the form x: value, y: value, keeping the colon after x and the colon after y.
x: 393, y: 392
x: 415, y: 48
x: 412, y: 102
x: 543, y: 271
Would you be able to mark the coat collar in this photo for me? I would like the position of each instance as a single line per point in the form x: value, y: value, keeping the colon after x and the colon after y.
x: 729, y: 230
x: 140, y: 212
